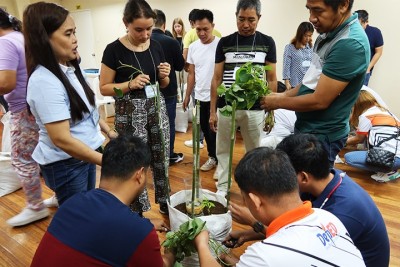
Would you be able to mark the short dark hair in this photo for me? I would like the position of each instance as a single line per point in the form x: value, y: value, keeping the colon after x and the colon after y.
x: 123, y: 156
x: 336, y: 3
x: 362, y: 15
x: 203, y: 14
x: 135, y: 9
x: 266, y: 171
x: 306, y: 154
x: 160, y: 18
x: 249, y: 4
x: 192, y: 13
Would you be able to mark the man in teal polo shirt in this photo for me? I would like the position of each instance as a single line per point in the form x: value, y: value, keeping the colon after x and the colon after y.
x: 330, y: 87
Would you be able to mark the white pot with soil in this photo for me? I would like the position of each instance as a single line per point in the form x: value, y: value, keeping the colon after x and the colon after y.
x: 218, y: 225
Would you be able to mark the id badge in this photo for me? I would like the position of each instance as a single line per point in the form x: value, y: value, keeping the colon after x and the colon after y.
x: 151, y: 90
x: 306, y: 63
x: 234, y: 72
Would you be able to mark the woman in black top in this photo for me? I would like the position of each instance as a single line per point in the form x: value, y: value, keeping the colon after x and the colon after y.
x: 135, y: 64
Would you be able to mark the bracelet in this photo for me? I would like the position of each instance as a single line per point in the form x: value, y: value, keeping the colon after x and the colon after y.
x: 129, y: 85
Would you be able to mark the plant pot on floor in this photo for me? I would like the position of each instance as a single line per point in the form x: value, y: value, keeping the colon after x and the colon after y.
x: 218, y: 225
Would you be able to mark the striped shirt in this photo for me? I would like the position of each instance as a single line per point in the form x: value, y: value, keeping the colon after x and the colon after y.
x: 235, y: 50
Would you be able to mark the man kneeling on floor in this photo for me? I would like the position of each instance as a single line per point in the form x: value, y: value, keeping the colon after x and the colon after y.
x: 296, y: 233
x: 97, y: 227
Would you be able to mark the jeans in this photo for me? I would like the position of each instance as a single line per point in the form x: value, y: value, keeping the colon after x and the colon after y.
x: 68, y: 177
x: 170, y: 104
x: 333, y: 148
x: 357, y: 159
x: 366, y: 79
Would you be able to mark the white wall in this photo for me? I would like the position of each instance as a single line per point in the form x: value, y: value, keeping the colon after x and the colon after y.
x: 279, y: 20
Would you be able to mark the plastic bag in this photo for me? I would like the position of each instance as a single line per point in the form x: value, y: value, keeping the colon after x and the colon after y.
x: 6, y: 139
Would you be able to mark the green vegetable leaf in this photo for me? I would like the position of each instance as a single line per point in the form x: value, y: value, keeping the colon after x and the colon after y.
x: 118, y: 92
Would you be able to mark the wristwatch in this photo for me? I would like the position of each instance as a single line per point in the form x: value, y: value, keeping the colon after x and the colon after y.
x: 258, y: 227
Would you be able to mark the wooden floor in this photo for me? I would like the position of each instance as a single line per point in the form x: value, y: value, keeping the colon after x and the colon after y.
x: 18, y: 245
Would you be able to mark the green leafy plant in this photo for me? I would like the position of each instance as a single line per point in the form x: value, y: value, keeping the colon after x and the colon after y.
x: 250, y: 84
x: 181, y: 243
x: 207, y: 204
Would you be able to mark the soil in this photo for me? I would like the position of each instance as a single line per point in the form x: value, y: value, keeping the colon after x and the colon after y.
x: 218, y: 209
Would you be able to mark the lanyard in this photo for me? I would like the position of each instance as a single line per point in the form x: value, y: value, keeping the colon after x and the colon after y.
x: 333, y: 189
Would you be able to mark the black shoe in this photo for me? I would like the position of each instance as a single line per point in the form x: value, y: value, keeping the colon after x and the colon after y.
x: 163, y: 208
x: 176, y: 157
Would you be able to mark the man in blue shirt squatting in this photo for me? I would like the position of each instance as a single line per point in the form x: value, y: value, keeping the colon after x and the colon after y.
x: 324, y: 99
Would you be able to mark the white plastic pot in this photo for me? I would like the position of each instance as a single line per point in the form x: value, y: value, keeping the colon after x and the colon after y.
x: 218, y: 225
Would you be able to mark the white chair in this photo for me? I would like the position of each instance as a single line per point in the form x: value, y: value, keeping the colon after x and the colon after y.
x: 106, y: 104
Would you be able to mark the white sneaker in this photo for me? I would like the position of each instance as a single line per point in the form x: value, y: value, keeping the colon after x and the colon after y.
x: 210, y: 164
x: 189, y: 143
x: 51, y: 202
x: 27, y: 216
x: 385, y: 177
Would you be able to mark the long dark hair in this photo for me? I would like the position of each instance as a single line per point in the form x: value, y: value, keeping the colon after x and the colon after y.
x: 9, y: 21
x: 40, y: 21
x: 303, y: 28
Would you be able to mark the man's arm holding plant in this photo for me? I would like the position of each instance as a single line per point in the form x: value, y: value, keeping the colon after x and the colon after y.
x: 190, y: 86
x: 163, y: 74
x: 216, y: 81
x: 325, y: 93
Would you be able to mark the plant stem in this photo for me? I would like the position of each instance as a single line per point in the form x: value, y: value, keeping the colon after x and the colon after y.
x: 232, y: 144
x: 196, y: 155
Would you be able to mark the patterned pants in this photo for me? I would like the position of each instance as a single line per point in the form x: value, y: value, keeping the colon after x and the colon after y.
x: 24, y: 138
x: 139, y: 117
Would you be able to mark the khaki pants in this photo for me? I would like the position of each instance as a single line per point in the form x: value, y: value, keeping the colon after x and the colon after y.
x: 251, y: 125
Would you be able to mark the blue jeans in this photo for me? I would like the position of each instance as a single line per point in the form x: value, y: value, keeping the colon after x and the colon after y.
x: 366, y: 79
x: 68, y: 177
x: 357, y: 159
x: 333, y: 148
x: 170, y: 104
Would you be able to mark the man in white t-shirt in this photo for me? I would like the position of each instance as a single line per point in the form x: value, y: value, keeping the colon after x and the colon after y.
x: 201, y: 68
x: 297, y: 234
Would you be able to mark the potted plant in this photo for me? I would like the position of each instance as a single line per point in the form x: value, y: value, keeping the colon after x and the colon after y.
x: 250, y: 84
x: 198, y: 203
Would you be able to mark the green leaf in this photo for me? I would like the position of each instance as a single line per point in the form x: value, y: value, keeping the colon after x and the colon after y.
x: 221, y: 89
x: 118, y: 92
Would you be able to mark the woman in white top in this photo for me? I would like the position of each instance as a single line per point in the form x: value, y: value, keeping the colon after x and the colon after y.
x: 376, y: 125
x: 61, y: 101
